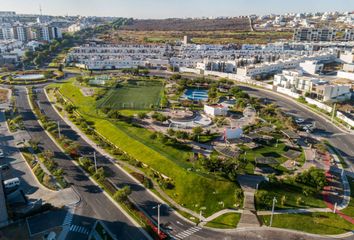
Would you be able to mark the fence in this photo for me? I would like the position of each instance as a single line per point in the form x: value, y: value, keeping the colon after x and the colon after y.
x: 287, y: 92
x: 319, y: 105
x: 345, y: 119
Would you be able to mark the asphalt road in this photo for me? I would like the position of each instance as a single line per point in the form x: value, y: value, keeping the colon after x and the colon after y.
x: 343, y: 142
x: 94, y: 205
x: 146, y: 201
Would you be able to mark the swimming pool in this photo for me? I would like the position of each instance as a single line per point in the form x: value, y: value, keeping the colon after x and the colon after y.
x: 196, y: 94
x: 29, y: 77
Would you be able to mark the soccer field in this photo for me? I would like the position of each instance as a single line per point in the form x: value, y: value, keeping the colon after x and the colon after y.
x: 133, y: 94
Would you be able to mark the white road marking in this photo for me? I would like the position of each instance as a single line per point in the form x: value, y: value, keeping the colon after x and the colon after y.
x: 187, y: 232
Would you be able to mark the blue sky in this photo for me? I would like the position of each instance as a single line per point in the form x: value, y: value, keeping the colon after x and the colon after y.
x: 173, y: 8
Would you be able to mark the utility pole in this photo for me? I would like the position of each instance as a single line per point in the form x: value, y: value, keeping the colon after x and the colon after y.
x: 59, y: 133
x: 334, y: 111
x: 158, y: 218
x: 335, y: 208
x: 94, y: 158
x: 271, y: 217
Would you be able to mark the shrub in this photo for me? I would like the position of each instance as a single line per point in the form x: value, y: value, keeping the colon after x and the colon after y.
x: 121, y: 195
x: 312, y: 177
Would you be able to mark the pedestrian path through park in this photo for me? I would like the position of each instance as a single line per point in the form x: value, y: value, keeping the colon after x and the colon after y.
x: 249, y: 216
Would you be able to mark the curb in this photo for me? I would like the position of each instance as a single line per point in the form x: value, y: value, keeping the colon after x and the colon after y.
x: 24, y: 159
x: 91, y: 179
x: 102, y: 152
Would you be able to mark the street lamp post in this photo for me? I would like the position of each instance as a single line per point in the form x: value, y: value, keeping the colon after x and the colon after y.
x: 271, y: 217
x: 200, y: 213
x: 59, y: 133
x: 95, y: 160
x: 158, y: 218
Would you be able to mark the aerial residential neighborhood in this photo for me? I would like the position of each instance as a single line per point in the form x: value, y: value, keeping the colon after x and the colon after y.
x: 176, y: 120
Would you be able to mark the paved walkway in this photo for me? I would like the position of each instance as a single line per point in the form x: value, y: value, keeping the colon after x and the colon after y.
x: 346, y: 193
x: 249, y: 216
x: 294, y: 211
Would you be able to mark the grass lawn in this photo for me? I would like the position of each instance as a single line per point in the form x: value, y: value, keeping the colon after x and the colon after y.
x: 226, y: 221
x: 133, y: 94
x: 272, y: 150
x: 317, y: 223
x: 192, y: 190
x: 292, y: 192
x: 350, y: 209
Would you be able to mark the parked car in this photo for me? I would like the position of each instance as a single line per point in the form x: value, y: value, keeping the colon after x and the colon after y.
x: 11, y: 183
x: 299, y: 120
x: 2, y: 153
x: 4, y: 167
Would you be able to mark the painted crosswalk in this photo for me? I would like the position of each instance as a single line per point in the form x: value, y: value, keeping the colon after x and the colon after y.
x: 187, y: 233
x: 79, y: 229
x: 68, y: 217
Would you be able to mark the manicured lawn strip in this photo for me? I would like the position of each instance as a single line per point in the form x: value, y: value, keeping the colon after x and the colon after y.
x: 226, y: 221
x: 350, y: 209
x: 316, y: 223
x: 291, y: 192
x: 191, y: 190
x: 142, y: 135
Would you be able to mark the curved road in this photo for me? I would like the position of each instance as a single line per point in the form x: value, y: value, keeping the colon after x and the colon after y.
x: 147, y: 201
x: 94, y: 204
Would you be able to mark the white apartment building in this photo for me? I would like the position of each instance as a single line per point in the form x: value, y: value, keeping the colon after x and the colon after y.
x: 347, y: 57
x: 319, y: 89
x: 27, y: 33
x: 347, y: 72
x: 6, y: 33
x: 314, y: 34
x: 312, y: 67
x: 331, y: 93
x: 77, y: 27
x: 349, y: 34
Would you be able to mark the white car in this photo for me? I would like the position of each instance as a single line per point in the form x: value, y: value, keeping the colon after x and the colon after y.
x: 2, y: 153
x: 299, y: 120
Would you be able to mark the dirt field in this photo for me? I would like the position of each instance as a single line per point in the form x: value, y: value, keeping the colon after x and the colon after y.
x: 199, y: 37
x: 235, y: 24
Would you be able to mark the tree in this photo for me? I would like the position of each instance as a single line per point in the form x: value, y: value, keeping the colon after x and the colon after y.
x: 213, y: 92
x: 283, y: 200
x: 176, y: 77
x: 37, y: 61
x: 100, y: 174
x: 122, y: 194
x: 197, y: 131
x: 142, y: 115
x: 80, y: 79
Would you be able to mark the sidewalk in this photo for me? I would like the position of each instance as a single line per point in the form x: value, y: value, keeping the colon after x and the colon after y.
x: 346, y: 192
x: 249, y: 216
x: 294, y: 211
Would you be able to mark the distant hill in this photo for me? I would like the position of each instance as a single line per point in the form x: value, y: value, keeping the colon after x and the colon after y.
x: 235, y: 24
